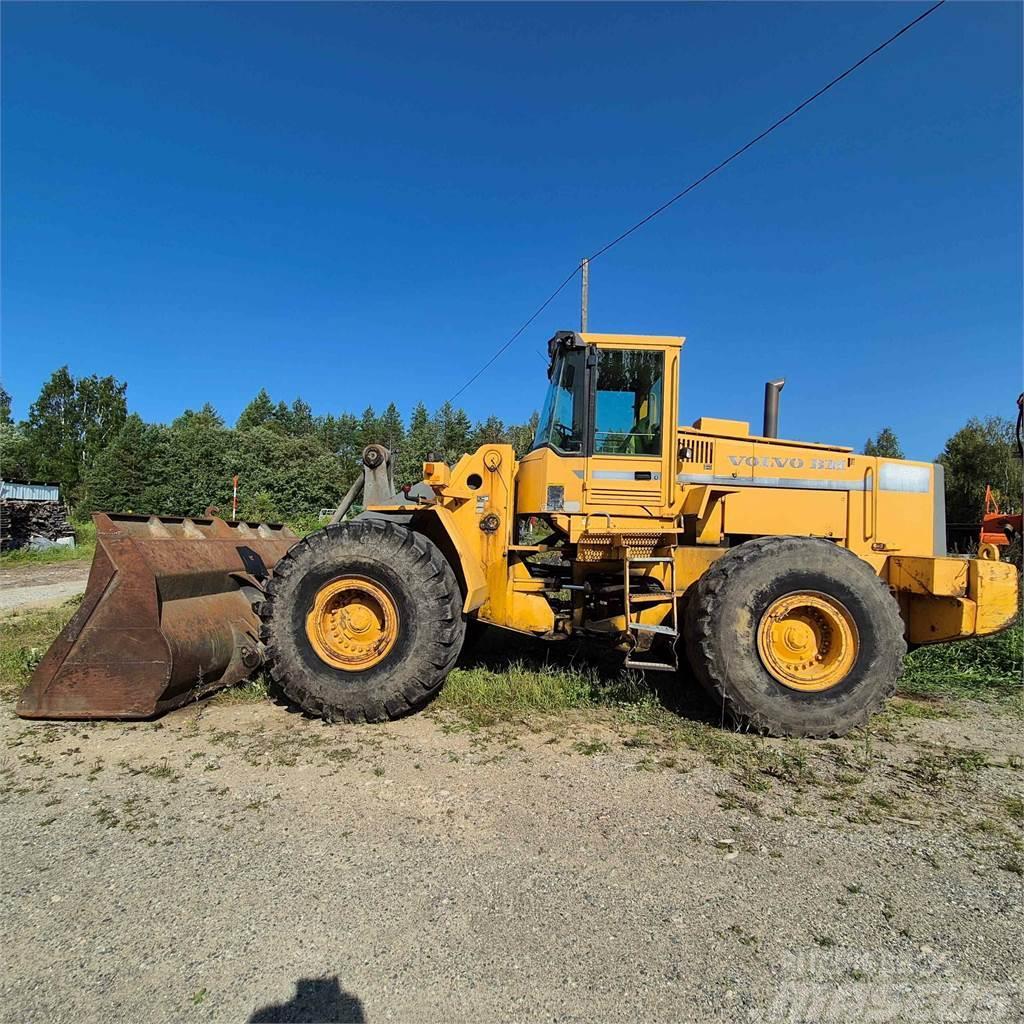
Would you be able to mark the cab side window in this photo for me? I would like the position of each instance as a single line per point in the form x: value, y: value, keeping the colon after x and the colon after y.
x: 629, y: 403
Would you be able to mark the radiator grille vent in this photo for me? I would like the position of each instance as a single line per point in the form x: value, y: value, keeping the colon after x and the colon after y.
x: 699, y: 452
x: 611, y: 496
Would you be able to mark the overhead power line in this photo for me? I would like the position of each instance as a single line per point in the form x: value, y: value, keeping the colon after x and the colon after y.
x: 697, y: 183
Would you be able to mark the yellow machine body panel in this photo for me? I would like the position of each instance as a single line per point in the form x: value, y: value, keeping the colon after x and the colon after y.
x: 472, y: 522
x: 612, y: 476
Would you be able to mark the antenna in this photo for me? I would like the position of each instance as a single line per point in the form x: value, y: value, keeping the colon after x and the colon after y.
x: 584, y: 292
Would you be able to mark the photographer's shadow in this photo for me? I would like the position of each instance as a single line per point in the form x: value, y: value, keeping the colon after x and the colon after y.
x: 316, y: 1001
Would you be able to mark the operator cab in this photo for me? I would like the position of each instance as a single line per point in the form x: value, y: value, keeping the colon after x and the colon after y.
x: 606, y: 434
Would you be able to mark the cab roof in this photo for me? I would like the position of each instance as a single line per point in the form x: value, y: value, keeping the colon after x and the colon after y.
x: 577, y: 339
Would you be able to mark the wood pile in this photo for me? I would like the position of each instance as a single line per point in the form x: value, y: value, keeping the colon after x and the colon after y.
x: 20, y: 521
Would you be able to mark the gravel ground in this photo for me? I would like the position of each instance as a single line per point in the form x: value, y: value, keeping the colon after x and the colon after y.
x: 241, y: 863
x: 37, y: 586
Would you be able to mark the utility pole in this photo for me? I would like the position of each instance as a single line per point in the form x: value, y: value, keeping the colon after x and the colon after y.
x: 585, y: 293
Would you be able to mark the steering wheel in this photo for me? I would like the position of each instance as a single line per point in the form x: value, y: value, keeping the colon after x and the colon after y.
x: 564, y: 433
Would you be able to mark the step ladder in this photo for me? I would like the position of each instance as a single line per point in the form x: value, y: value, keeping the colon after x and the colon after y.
x: 670, y: 596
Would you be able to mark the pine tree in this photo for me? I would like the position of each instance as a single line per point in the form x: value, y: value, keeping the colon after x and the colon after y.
x: 348, y: 445
x: 453, y: 429
x: 258, y: 413
x: 886, y: 445
x: 126, y: 475
x: 300, y: 419
x: 490, y: 431
x: 390, y: 428
x: 521, y: 436
x: 369, y: 428
x: 421, y: 440
x: 207, y: 417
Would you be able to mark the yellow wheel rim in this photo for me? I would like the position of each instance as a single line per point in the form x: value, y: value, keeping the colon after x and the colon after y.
x: 353, y: 624
x: 808, y: 641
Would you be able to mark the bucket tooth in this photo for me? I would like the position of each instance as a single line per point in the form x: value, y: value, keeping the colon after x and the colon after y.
x: 167, y: 617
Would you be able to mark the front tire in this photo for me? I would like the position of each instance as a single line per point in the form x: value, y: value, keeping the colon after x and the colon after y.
x: 794, y: 636
x: 362, y: 622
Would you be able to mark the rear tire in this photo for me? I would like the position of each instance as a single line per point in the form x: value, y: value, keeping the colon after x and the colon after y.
x: 410, y: 575
x: 728, y: 633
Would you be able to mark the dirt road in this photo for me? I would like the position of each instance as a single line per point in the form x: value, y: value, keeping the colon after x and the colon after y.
x: 37, y: 586
x: 240, y: 863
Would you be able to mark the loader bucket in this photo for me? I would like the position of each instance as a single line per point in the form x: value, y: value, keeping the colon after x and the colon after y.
x: 167, y: 617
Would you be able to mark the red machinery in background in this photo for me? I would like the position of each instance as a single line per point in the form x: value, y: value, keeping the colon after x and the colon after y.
x: 999, y: 529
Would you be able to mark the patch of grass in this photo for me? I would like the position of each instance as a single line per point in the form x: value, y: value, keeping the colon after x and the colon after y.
x: 1014, y: 807
x: 489, y: 694
x: 84, y: 549
x: 728, y: 800
x: 933, y: 769
x: 162, y: 770
x: 24, y: 639
x: 518, y: 688
x: 908, y: 708
x: 721, y: 748
x: 590, y: 747
x: 252, y: 691
x: 984, y: 669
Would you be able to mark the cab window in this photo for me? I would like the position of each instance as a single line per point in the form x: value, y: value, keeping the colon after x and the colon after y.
x: 561, y: 420
x: 628, y: 405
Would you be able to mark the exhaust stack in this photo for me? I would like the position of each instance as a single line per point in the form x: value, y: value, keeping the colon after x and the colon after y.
x: 772, y: 390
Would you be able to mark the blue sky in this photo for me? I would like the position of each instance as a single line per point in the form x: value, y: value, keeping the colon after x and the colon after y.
x: 360, y: 203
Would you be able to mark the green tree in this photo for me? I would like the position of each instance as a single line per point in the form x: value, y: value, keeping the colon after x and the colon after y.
x: 300, y: 421
x: 292, y: 477
x: 342, y: 439
x: 259, y: 508
x: 491, y: 431
x: 70, y: 423
x: 130, y: 475
x: 886, y: 445
x: 196, y: 468
x: 453, y: 429
x: 207, y: 417
x: 258, y: 413
x: 390, y: 428
x: 15, y: 461
x: 980, y: 453
x: 521, y: 436
x: 16, y: 456
x: 421, y: 440
x: 369, y: 428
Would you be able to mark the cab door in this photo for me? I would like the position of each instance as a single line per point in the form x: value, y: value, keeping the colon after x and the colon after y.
x: 630, y: 464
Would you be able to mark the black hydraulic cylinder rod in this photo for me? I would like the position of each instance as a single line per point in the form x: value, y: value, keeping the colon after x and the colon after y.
x: 346, y: 502
x: 772, y: 389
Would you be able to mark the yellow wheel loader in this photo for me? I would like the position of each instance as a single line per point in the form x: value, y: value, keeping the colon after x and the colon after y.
x: 792, y: 577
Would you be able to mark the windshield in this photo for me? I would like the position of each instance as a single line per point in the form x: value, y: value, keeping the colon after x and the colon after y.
x: 561, y: 419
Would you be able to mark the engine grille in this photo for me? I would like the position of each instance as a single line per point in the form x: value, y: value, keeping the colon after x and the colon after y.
x: 698, y: 451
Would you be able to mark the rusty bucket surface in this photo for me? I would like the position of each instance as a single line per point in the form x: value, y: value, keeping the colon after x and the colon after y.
x: 167, y: 617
